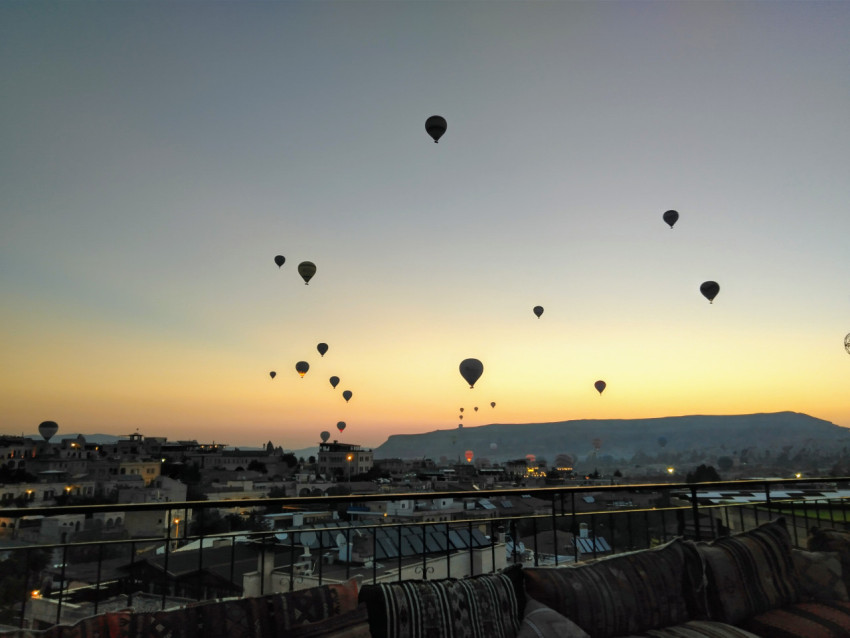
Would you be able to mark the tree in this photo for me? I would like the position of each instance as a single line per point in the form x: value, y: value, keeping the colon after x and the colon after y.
x: 256, y: 466
x: 704, y: 473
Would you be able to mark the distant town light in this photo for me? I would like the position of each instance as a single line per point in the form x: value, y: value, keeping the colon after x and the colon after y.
x: 36, y: 593
x: 670, y: 470
x: 799, y: 475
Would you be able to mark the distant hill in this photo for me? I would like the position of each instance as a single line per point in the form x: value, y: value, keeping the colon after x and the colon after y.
x: 621, y: 438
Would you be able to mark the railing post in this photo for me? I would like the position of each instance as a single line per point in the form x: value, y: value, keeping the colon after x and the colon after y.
x: 399, y: 552
x: 554, y: 532
x: 61, y: 583
x: 291, y: 560
x: 26, y: 593
x: 97, y: 582
x: 424, y: 556
x: 471, y: 550
x: 448, y: 553
x: 695, y: 511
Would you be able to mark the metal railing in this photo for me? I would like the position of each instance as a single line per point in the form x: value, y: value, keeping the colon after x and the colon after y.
x: 194, y: 564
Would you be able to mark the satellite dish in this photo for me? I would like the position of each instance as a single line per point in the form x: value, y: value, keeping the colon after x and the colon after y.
x: 309, y: 539
x: 340, y: 540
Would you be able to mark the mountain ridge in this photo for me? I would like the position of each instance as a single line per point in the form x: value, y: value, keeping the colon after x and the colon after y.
x: 621, y: 438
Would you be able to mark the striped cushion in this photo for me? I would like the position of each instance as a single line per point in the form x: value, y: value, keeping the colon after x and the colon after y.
x: 750, y: 573
x: 617, y: 595
x: 486, y: 606
x: 810, y: 620
x: 700, y: 629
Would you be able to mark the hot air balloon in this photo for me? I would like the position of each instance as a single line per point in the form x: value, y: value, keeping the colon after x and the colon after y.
x: 272, y: 374
x: 847, y: 343
x: 279, y: 260
x: 471, y: 370
x: 47, y: 429
x: 538, y: 310
x: 530, y: 459
x: 475, y: 408
x: 460, y: 416
x: 306, y: 269
x: 301, y: 368
x: 436, y: 126
x: 334, y: 381
x: 670, y: 217
x: 340, y: 426
x: 322, y: 348
x: 492, y: 404
x: 325, y: 436
x: 662, y: 441
x: 709, y: 290
x: 468, y: 455
x: 600, y: 386
x: 346, y: 395
x: 461, y: 409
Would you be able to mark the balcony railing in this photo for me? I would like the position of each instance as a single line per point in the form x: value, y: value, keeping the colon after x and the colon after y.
x: 178, y: 561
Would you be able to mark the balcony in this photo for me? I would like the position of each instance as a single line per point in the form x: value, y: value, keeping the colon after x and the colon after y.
x: 166, y: 555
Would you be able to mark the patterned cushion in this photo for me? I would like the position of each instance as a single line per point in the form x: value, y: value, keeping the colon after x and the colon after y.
x: 539, y: 621
x: 809, y: 620
x: 101, y: 626
x: 258, y: 617
x: 819, y: 575
x: 617, y: 595
x: 700, y: 629
x: 352, y: 624
x: 833, y: 540
x: 750, y: 573
x: 486, y: 606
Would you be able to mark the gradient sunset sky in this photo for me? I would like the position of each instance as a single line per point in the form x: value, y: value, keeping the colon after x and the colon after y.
x: 156, y: 156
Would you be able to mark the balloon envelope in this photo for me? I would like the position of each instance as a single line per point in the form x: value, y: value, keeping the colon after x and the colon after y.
x: 301, y: 368
x: 346, y: 395
x: 279, y: 260
x: 538, y: 310
x: 272, y: 374
x: 709, y: 290
x: 492, y: 404
x: 847, y: 343
x: 325, y: 436
x: 340, y: 426
x: 670, y: 217
x: 322, y: 348
x: 436, y: 126
x: 47, y: 429
x: 471, y: 370
x: 306, y: 269
x: 468, y: 455
x: 600, y: 386
x: 334, y: 381
x: 475, y: 408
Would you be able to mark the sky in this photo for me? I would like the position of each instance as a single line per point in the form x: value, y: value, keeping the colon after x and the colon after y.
x: 156, y: 156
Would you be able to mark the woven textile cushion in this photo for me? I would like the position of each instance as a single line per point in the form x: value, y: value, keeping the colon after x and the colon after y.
x: 806, y: 620
x: 268, y: 616
x: 486, y: 606
x: 750, y: 573
x: 819, y: 575
x: 833, y: 540
x: 618, y: 595
x: 108, y: 625
x: 539, y: 621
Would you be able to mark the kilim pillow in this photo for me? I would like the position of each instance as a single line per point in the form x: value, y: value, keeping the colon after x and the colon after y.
x: 819, y: 575
x: 618, y: 595
x: 750, y: 573
x: 486, y: 606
